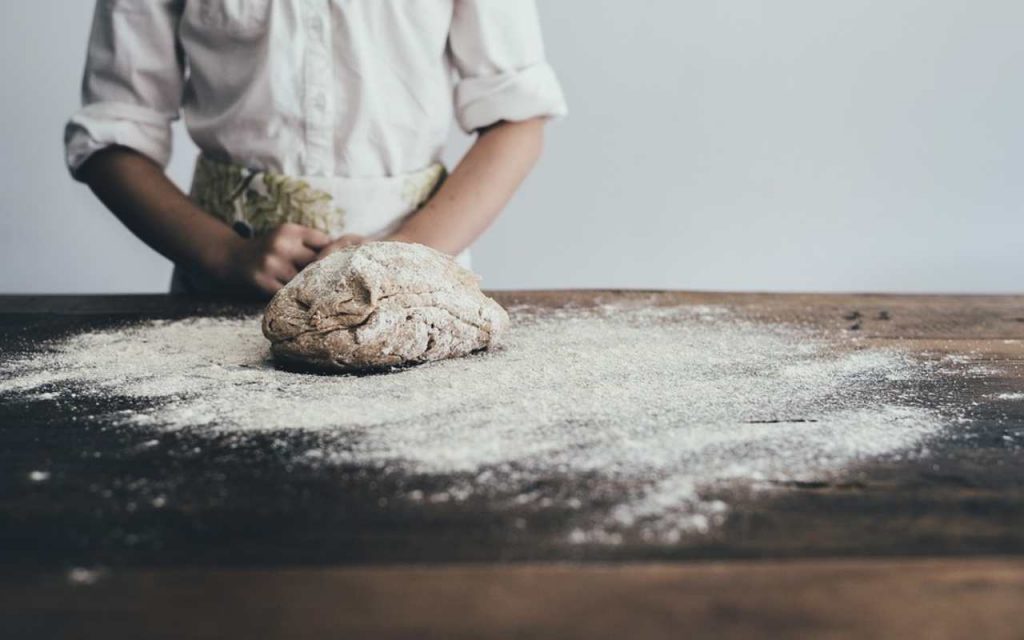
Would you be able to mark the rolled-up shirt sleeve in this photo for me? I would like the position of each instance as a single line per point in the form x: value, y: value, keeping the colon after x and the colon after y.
x: 498, y: 51
x: 133, y: 83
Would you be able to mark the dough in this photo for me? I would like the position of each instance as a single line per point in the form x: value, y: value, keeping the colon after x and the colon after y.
x: 379, y: 305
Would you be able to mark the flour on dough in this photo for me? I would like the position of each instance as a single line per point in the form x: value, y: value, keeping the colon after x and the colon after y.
x: 381, y: 304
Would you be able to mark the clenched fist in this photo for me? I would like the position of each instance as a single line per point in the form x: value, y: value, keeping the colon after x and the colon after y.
x: 269, y: 262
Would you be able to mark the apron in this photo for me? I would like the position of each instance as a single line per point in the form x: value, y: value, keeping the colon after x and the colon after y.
x: 254, y: 203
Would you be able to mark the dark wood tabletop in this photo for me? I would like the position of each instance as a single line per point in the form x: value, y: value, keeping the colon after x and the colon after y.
x: 930, y: 546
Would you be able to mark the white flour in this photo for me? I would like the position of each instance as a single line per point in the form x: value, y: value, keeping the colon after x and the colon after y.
x: 1010, y: 396
x: 658, y: 405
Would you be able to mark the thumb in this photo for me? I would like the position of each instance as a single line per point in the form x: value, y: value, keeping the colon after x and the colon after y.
x: 315, y: 239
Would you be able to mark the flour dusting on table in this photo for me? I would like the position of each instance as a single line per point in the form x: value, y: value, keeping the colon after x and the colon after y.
x: 657, y: 407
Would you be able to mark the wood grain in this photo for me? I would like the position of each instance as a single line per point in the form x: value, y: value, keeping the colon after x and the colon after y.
x: 933, y: 599
x: 964, y: 501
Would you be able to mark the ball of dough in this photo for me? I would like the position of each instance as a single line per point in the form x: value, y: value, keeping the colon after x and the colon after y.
x: 378, y: 305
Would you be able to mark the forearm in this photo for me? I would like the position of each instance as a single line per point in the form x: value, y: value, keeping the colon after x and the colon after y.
x: 140, y: 194
x: 478, y: 189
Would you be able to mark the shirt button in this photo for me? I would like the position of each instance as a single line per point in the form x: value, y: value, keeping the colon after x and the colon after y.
x: 319, y: 102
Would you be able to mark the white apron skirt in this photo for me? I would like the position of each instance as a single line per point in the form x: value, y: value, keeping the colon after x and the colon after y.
x: 257, y: 202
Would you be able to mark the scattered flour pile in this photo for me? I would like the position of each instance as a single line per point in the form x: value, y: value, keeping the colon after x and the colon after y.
x: 653, y: 406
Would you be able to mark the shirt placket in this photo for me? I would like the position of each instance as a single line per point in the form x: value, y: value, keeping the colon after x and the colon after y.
x: 319, y: 97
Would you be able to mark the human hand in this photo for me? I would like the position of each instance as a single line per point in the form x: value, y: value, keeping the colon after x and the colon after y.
x: 269, y: 262
x: 399, y: 236
x: 345, y: 241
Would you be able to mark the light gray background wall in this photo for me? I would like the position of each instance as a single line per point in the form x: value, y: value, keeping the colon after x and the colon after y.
x: 749, y: 145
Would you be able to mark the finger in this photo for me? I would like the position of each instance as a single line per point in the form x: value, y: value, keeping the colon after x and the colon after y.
x: 277, y: 266
x: 334, y: 247
x: 314, y: 238
x: 267, y: 285
x: 302, y: 256
x: 341, y: 243
x: 284, y: 271
x: 294, y: 251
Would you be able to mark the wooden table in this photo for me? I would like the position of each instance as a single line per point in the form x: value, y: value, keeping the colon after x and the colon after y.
x: 929, y: 547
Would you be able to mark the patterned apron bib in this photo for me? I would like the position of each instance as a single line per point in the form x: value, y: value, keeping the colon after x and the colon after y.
x: 254, y: 203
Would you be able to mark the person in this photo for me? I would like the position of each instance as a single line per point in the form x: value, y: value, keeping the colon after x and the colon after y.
x: 320, y: 124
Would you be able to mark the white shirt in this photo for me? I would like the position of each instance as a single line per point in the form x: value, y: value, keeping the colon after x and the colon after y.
x: 355, y: 88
